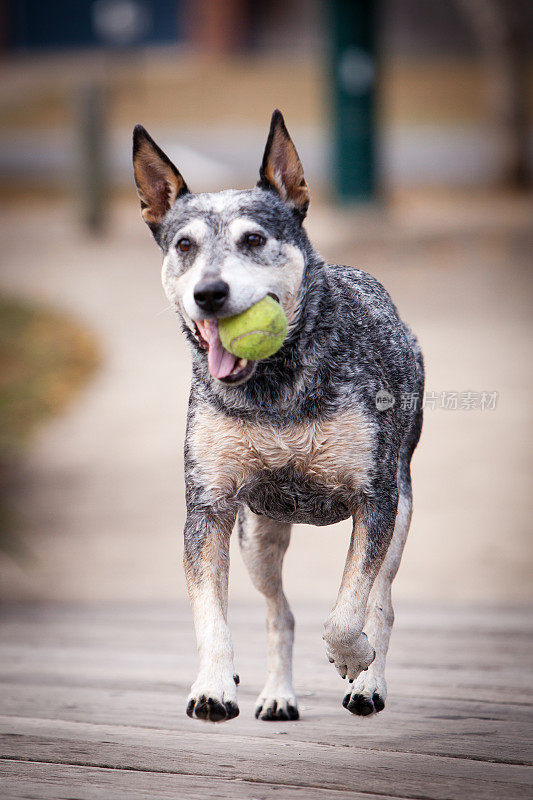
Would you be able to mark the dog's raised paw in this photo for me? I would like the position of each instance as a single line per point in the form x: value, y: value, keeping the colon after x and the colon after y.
x: 276, y: 708
x: 350, y: 656
x: 210, y: 709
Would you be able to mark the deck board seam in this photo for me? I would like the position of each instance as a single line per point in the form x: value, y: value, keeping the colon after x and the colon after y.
x: 513, y: 763
x: 296, y: 741
x: 261, y: 739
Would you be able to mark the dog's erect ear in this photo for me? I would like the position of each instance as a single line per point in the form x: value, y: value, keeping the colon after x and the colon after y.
x: 158, y: 181
x: 281, y: 169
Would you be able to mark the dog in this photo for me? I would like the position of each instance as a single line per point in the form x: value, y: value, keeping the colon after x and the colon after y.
x: 317, y: 433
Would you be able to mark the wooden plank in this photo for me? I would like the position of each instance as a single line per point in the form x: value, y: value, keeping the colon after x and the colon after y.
x: 99, y: 692
x: 145, y: 668
x: 20, y: 780
x: 489, y: 653
x: 128, y: 622
x: 122, y: 629
x: 264, y: 761
x: 170, y: 643
x: 493, y: 734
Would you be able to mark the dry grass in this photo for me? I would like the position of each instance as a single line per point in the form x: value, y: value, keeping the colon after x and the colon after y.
x: 45, y: 358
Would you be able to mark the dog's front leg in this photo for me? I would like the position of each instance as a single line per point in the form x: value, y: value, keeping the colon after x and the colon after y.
x: 347, y: 647
x: 213, y: 695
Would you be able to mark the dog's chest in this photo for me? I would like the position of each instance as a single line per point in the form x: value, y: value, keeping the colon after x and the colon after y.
x: 297, y: 471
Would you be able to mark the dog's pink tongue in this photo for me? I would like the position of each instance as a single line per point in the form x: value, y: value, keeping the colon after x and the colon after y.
x: 219, y: 361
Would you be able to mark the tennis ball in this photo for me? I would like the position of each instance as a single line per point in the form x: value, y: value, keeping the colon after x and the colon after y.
x: 257, y: 332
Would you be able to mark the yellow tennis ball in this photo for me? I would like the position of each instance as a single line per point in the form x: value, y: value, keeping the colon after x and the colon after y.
x: 257, y: 332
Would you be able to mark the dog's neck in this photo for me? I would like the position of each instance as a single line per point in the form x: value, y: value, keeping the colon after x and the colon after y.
x: 288, y: 382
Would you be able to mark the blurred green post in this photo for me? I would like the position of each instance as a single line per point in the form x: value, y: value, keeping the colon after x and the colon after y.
x: 353, y: 69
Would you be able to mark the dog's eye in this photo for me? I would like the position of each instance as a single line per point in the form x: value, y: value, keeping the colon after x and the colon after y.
x: 255, y: 240
x: 184, y: 245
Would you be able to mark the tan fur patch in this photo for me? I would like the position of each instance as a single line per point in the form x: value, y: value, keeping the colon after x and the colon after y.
x: 337, y: 452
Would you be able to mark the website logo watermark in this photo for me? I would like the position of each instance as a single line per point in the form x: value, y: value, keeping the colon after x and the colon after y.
x: 448, y: 400
x: 384, y: 400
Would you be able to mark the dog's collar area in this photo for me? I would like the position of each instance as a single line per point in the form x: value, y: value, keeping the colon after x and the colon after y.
x: 223, y: 366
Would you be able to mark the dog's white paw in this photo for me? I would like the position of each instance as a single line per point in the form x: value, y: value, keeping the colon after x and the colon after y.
x: 276, y: 705
x: 350, y: 652
x: 367, y: 695
x: 212, y: 699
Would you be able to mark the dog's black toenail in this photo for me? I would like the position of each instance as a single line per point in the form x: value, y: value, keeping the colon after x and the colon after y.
x: 268, y: 715
x: 360, y: 705
x: 357, y: 704
x: 217, y: 711
x: 293, y: 712
x: 232, y: 709
x: 350, y: 680
x: 202, y: 707
x: 331, y: 660
x: 190, y: 708
x: 236, y: 679
x: 353, y: 704
x: 281, y: 714
x: 379, y: 703
x: 366, y: 707
x: 258, y: 711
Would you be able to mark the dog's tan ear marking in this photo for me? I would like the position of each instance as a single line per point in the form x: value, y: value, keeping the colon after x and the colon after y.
x: 158, y: 181
x: 281, y: 169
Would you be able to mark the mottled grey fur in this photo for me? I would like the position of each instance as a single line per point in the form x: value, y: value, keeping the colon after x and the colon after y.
x: 347, y: 343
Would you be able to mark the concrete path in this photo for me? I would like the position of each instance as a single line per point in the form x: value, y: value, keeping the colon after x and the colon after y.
x: 101, y: 492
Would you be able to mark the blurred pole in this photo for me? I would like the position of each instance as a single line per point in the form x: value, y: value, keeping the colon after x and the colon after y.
x: 94, y: 183
x: 216, y: 27
x: 353, y: 69
x: 500, y: 27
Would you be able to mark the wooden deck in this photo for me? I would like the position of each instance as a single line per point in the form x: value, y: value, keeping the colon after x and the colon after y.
x: 92, y: 706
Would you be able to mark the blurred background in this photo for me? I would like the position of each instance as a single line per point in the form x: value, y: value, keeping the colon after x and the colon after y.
x: 413, y: 120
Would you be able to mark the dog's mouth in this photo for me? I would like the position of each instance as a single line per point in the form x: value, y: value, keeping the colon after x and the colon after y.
x: 222, y: 365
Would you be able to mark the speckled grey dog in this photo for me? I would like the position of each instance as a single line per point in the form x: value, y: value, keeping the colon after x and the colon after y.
x: 310, y: 434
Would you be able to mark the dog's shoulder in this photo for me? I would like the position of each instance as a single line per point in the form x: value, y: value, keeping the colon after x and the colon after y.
x: 362, y: 291
x: 371, y: 317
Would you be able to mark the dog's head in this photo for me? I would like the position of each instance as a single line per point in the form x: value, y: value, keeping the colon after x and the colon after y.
x: 227, y: 250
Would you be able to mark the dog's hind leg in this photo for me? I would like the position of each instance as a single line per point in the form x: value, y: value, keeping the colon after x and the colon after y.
x: 263, y: 544
x: 369, y: 690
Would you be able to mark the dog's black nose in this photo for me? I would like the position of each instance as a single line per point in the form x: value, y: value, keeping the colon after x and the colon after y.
x: 211, y: 295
